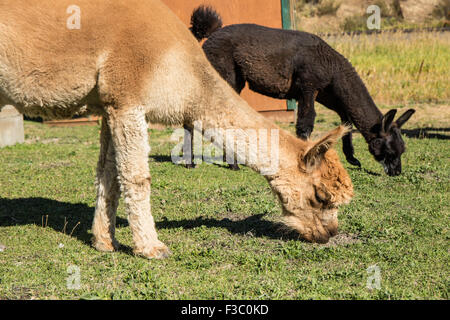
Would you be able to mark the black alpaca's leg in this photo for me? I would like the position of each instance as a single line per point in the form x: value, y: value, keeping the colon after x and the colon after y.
x: 236, y: 80
x: 347, y: 145
x: 233, y: 166
x: 188, y: 148
x: 305, y: 114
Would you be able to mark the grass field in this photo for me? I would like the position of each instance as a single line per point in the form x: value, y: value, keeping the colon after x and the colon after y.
x: 401, y: 68
x: 222, y: 226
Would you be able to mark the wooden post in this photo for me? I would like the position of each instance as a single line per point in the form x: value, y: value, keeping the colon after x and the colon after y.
x: 286, y: 16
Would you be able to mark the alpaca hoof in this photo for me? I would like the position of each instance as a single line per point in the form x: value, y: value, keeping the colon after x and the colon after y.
x: 354, y: 161
x: 156, y: 252
x: 234, y: 167
x: 190, y: 166
x: 106, y: 246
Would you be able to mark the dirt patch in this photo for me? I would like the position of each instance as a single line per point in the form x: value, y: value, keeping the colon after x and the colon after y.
x: 413, y: 11
x: 20, y: 293
x: 342, y: 239
x: 429, y: 120
x: 429, y: 115
x: 52, y: 165
x: 418, y: 10
x: 44, y: 141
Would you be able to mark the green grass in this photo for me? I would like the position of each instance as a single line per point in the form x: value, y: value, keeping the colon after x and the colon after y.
x: 221, y: 226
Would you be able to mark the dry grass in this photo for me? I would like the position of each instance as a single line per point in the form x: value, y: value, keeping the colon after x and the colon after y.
x: 350, y: 15
x: 400, y: 68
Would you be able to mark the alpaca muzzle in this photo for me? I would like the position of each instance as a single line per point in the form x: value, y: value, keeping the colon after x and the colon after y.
x: 315, y: 229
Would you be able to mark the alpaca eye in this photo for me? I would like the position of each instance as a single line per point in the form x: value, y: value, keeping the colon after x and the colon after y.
x: 377, y: 142
x: 376, y: 147
x: 322, y: 196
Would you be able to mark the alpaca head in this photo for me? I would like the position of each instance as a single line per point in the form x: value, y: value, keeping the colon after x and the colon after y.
x: 312, y: 187
x: 388, y: 146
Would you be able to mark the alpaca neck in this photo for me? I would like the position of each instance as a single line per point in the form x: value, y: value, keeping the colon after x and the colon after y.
x: 357, y: 103
x: 261, y: 145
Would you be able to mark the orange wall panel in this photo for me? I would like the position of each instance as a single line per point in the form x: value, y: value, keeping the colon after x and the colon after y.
x: 263, y: 12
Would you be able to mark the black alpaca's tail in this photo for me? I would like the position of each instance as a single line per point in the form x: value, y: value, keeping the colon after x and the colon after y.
x: 204, y: 21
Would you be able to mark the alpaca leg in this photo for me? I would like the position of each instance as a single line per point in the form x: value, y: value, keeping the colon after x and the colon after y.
x: 237, y: 82
x: 232, y: 163
x: 130, y: 139
x: 108, y: 193
x: 347, y: 145
x: 232, y: 166
x: 232, y: 74
x: 306, y: 114
x: 188, y: 148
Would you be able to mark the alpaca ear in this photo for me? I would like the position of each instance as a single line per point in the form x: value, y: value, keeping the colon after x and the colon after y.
x: 404, y: 117
x: 316, y: 152
x: 387, y: 120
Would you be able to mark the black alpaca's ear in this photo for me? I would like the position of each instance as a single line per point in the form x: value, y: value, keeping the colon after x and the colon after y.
x: 404, y: 117
x: 387, y: 120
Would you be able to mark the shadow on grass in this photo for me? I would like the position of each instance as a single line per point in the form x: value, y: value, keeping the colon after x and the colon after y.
x: 161, y: 158
x: 427, y: 133
x: 73, y: 219
x: 165, y: 158
x: 254, y: 225
x: 369, y: 172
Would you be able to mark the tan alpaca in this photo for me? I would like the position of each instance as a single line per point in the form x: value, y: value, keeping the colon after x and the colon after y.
x: 133, y: 59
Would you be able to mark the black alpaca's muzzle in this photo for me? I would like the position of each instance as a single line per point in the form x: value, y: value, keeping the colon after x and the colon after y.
x: 393, y: 168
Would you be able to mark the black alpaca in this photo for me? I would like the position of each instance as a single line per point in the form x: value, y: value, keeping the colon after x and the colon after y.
x: 287, y: 64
